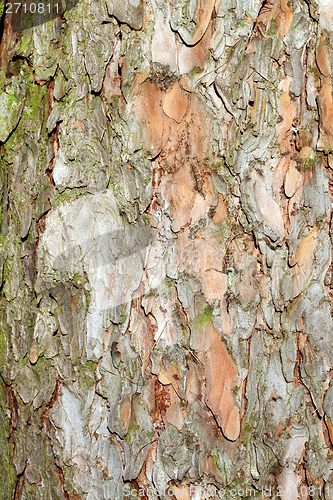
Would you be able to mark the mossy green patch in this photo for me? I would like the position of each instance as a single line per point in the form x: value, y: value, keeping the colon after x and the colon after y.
x: 67, y: 196
x: 315, y: 71
x: 133, y: 428
x: 87, y: 375
x: 204, y: 318
x: 272, y: 31
x: 33, y: 116
x: 217, y: 461
x: 195, y: 71
x: 2, y: 78
x: 292, y: 308
x: 91, y: 366
x: 310, y: 161
x: 3, y: 348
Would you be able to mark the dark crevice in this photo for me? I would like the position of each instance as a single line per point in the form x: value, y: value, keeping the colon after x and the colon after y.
x: 155, y: 157
x: 19, y: 484
x: 96, y: 93
x: 50, y: 132
x: 15, y: 65
x: 4, y: 225
x: 62, y: 482
x: 259, y: 29
x: 45, y: 428
x: 18, y: 122
x: 298, y: 376
x: 25, y: 238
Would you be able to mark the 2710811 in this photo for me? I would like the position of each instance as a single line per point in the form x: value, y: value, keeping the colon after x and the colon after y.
x: 32, y: 8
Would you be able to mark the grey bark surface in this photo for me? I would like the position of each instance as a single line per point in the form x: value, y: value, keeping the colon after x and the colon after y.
x: 166, y: 251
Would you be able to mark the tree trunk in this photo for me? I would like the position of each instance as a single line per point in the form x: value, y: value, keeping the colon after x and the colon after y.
x: 166, y: 276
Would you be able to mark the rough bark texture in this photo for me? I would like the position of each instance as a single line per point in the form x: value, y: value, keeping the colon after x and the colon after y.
x: 166, y: 276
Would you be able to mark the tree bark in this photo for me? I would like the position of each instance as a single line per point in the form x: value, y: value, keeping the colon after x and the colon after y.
x: 166, y: 276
